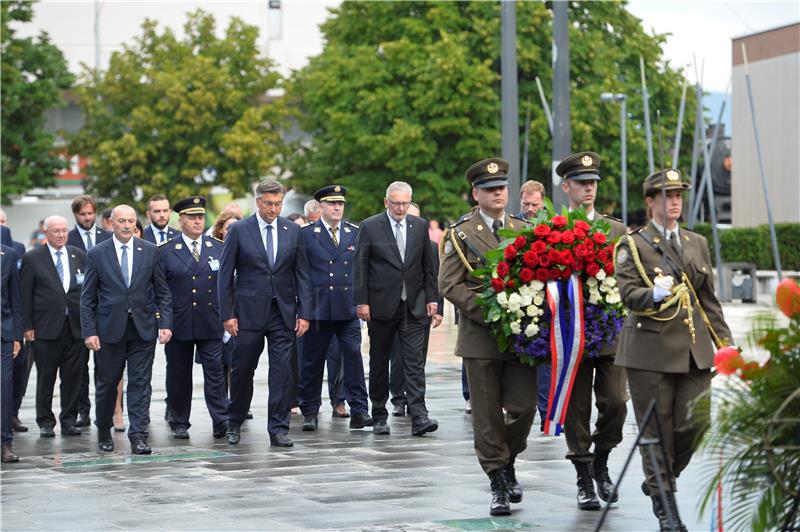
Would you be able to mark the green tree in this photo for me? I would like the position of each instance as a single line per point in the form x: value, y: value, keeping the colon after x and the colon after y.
x: 411, y: 91
x: 34, y: 73
x: 179, y: 116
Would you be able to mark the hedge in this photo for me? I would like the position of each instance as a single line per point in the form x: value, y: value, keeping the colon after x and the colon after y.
x: 753, y: 244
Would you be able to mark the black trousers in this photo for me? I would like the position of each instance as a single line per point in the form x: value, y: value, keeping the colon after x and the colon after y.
x: 381, y: 336
x: 22, y: 372
x: 397, y: 379
x: 84, y: 403
x: 180, y: 360
x: 110, y: 362
x: 63, y: 356
x: 249, y: 345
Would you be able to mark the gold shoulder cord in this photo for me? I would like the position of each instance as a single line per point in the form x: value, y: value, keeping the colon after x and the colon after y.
x: 717, y: 341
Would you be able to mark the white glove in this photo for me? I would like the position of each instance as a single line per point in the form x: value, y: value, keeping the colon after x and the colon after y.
x: 663, y: 287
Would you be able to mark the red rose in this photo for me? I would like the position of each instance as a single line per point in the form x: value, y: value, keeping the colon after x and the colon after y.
x: 554, y: 274
x: 566, y: 273
x: 588, y: 245
x: 502, y: 269
x: 604, y: 255
x: 567, y: 259
x: 559, y: 221
x: 590, y: 257
x: 578, y: 265
x: 526, y: 275
x: 542, y: 230
x: 520, y: 242
x: 600, y: 238
x: 498, y: 285
x: 728, y: 360
x: 567, y: 237
x: 609, y: 268
x: 530, y: 259
x: 579, y: 251
x: 542, y: 275
x: 583, y: 226
x: 510, y: 252
x: 592, y: 269
x: 510, y: 284
x: 554, y: 237
x: 580, y: 234
x: 539, y: 246
x: 554, y: 255
x: 544, y: 260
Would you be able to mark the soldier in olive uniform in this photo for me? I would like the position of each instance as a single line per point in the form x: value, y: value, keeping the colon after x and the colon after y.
x: 666, y: 346
x: 580, y: 173
x: 496, y: 380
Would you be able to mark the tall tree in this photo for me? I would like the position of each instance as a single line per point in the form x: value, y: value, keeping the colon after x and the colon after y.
x: 411, y: 91
x: 179, y: 116
x: 34, y: 73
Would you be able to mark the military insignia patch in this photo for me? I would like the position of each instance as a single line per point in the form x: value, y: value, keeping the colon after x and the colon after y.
x: 492, y: 168
x: 178, y: 246
x: 622, y: 256
x: 196, y: 201
x: 317, y: 230
x: 448, y: 247
x: 586, y: 160
x: 208, y: 244
x: 672, y: 175
x: 346, y: 229
x: 337, y: 189
x: 480, y: 227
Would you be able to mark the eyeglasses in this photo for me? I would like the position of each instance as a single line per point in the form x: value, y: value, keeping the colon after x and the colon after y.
x: 270, y: 204
x: 403, y: 204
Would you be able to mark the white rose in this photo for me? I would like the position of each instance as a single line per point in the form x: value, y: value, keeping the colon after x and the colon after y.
x: 525, y: 290
x: 613, y: 298
x: 502, y: 299
x: 600, y: 275
x: 520, y: 314
x: 531, y: 330
x: 532, y: 311
x: 591, y: 281
x: 537, y: 286
x: 594, y: 299
x: 609, y: 281
x: 516, y: 327
x: 538, y: 300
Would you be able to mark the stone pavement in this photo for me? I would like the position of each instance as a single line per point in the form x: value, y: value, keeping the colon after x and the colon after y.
x: 334, y: 479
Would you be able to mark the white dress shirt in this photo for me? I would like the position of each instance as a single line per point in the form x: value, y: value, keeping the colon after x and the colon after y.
x: 403, y: 229
x: 489, y: 221
x: 84, y: 232
x: 188, y: 241
x: 262, y: 226
x: 118, y: 248
x: 338, y: 230
x: 675, y: 230
x: 64, y: 263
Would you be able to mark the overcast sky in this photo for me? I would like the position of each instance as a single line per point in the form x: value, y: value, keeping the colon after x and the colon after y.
x: 700, y: 27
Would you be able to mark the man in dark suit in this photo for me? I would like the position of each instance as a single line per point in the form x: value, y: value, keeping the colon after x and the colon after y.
x: 11, y: 318
x: 191, y: 263
x: 395, y: 291
x: 330, y: 245
x: 267, y: 297
x: 51, y: 280
x: 158, y: 212
x: 84, y: 236
x: 125, y: 306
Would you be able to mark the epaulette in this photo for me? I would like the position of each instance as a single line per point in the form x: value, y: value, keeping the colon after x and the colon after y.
x: 517, y: 217
x: 459, y: 222
x: 217, y: 239
x: 351, y: 224
x: 637, y: 230
x: 690, y: 231
x: 308, y: 224
x: 612, y: 218
x: 164, y: 243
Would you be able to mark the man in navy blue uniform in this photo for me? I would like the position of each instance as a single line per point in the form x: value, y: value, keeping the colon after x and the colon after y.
x: 191, y: 262
x: 158, y: 212
x: 267, y: 297
x: 330, y: 246
x: 125, y: 306
x: 11, y: 343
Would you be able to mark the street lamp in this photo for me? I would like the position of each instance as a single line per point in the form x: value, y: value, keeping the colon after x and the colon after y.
x: 621, y: 98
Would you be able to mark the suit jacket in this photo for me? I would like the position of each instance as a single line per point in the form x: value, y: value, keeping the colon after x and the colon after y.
x: 150, y: 235
x: 7, y: 240
x: 105, y: 300
x: 379, y: 272
x: 460, y: 287
x: 75, y: 238
x: 11, y: 304
x: 247, y: 294
x: 330, y: 270
x: 667, y: 346
x: 193, y: 284
x: 44, y: 296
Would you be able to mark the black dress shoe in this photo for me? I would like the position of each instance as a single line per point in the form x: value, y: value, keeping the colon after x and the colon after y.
x: 8, y: 455
x: 514, y: 489
x: 17, y: 426
x: 379, y: 426
x: 340, y: 412
x: 47, y: 432
x: 83, y: 420
x: 104, y: 441
x: 280, y: 440
x: 500, y: 503
x: 310, y: 423
x: 424, y: 425
x: 180, y: 433
x: 360, y: 420
x: 70, y: 431
x: 248, y: 415
x: 234, y: 433
x: 140, y: 446
x: 220, y: 429
x: 399, y: 410
x: 587, y: 498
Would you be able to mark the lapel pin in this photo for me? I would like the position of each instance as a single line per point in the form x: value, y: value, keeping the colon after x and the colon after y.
x: 208, y: 244
x: 346, y: 229
x: 285, y: 228
x: 138, y: 249
x: 73, y: 256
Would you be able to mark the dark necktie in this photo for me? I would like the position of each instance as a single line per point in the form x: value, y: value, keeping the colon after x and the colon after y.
x: 673, y: 243
x: 124, y: 266
x: 333, y: 236
x: 195, y: 251
x: 497, y: 224
x: 89, y: 243
x: 162, y: 236
x: 59, y: 266
x: 270, y: 247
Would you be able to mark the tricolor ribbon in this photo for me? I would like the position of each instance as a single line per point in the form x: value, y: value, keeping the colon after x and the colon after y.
x: 566, y: 347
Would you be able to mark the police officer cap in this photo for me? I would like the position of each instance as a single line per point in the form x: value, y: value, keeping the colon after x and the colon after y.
x: 671, y: 181
x: 192, y: 205
x: 488, y: 173
x: 581, y: 166
x: 331, y: 193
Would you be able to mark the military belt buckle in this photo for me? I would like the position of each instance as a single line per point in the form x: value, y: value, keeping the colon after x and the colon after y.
x: 461, y: 235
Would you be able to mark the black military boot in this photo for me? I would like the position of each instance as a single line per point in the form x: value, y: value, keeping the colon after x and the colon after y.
x: 587, y: 499
x: 665, y: 524
x: 513, y: 487
x: 500, y: 503
x: 605, y: 487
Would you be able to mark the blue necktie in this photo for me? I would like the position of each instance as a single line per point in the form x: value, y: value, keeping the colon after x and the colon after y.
x: 59, y: 267
x: 89, y: 243
x: 270, y: 247
x: 124, y: 266
x: 162, y: 235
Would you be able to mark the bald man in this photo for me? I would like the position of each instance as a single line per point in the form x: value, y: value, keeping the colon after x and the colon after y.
x: 125, y: 307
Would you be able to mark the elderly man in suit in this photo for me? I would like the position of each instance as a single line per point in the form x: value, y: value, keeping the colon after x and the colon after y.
x: 395, y: 291
x: 158, y: 212
x: 51, y: 279
x: 11, y: 319
x: 330, y: 245
x: 84, y: 236
x: 267, y: 297
x: 125, y: 306
x: 191, y: 263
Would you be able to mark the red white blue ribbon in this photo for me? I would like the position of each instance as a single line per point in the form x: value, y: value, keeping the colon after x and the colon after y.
x: 566, y: 347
